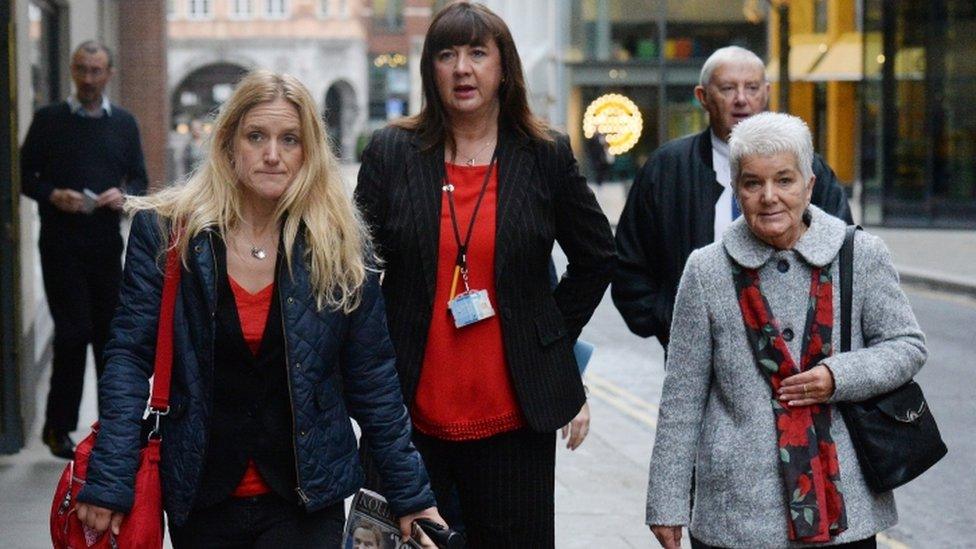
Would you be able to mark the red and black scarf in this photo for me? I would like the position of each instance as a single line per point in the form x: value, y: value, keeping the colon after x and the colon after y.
x: 807, y: 453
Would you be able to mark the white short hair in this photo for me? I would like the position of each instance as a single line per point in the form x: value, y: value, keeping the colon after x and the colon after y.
x: 767, y: 134
x: 729, y: 54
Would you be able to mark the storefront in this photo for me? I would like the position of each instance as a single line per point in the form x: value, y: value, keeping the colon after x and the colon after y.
x: 918, y: 134
x: 637, y: 49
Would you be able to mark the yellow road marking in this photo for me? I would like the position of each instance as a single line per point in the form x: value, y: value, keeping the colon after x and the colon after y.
x: 623, y: 400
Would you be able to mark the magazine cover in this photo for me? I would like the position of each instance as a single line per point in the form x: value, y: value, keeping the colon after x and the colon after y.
x: 371, y: 525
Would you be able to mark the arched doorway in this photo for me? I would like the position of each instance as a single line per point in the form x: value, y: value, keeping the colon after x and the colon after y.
x: 340, y: 116
x: 203, y: 90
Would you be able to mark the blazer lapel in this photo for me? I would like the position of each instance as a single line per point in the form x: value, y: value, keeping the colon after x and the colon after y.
x: 425, y: 173
x: 515, y: 162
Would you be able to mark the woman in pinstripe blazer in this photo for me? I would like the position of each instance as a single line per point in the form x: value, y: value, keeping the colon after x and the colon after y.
x: 486, y: 398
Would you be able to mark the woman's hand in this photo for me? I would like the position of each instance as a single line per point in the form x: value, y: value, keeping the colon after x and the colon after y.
x: 668, y: 536
x: 578, y: 428
x: 406, y: 524
x: 813, y: 386
x: 99, y: 518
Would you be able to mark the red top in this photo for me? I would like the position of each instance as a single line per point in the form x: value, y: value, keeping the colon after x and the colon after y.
x: 465, y: 390
x: 252, y: 309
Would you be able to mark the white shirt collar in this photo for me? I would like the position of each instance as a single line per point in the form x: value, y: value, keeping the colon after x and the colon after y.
x: 720, y: 146
x: 78, y: 109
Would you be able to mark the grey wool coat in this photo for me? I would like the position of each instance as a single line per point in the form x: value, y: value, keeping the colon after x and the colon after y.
x: 716, y: 415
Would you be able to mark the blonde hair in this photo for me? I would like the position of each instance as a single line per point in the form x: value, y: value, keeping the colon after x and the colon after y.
x: 316, y: 200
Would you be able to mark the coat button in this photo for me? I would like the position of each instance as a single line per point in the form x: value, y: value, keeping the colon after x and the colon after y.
x: 198, y: 248
x: 788, y: 334
x: 298, y: 365
x: 783, y: 266
x: 507, y: 313
x: 290, y: 300
x: 302, y: 433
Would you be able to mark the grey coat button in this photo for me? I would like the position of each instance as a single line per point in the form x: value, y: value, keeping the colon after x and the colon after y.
x: 783, y: 266
x: 198, y: 248
x: 290, y: 300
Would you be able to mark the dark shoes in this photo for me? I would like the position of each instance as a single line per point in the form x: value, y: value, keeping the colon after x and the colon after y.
x: 59, y: 443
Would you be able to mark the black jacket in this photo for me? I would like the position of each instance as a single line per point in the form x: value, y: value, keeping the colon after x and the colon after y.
x: 67, y: 151
x: 670, y: 212
x: 541, y: 199
x: 320, y: 346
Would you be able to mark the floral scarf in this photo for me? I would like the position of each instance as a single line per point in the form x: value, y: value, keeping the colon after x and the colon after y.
x: 808, y: 455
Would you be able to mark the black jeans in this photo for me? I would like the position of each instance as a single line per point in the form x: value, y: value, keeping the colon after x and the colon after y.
x: 265, y: 521
x: 867, y: 543
x: 82, y: 287
x: 504, y: 485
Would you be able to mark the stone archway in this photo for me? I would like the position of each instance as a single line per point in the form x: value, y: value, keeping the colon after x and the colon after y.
x: 340, y: 112
x: 199, y: 94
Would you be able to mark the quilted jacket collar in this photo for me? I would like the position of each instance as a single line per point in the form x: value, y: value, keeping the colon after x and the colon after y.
x: 818, y: 246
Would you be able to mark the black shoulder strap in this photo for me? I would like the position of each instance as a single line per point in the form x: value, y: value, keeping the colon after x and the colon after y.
x: 847, y: 286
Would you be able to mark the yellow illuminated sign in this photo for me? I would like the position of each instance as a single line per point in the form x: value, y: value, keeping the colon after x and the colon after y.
x: 617, y: 118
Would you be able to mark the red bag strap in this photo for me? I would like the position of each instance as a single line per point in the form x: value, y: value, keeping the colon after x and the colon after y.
x: 163, y: 369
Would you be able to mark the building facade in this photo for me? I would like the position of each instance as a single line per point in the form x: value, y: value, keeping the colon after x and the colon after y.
x: 36, y: 39
x: 650, y: 52
x: 321, y: 42
x: 886, y: 87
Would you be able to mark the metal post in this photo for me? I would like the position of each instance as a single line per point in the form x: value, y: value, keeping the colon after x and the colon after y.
x: 11, y: 426
x: 783, y: 8
x: 662, y: 96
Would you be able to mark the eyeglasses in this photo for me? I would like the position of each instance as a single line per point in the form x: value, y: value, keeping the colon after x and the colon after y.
x: 82, y: 70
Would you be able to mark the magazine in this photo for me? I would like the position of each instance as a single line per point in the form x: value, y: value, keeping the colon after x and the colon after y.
x: 372, y: 525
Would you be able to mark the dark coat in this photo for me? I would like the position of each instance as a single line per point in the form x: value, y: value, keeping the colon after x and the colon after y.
x: 321, y: 347
x: 670, y: 212
x: 541, y: 199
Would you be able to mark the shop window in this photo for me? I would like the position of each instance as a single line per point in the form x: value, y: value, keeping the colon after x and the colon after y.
x: 388, y: 14
x: 44, y: 48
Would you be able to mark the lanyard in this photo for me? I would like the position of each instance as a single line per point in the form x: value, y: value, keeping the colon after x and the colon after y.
x: 461, y: 261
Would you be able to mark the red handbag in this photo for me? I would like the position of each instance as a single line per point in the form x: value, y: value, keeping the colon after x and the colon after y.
x: 142, y: 527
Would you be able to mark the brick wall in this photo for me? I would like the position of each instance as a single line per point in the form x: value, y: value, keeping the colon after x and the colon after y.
x: 142, y: 78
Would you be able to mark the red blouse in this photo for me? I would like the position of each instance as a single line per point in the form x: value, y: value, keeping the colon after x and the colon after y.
x: 252, y: 309
x: 465, y: 390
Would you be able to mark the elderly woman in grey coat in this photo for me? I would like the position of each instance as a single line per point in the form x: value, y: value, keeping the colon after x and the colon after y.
x: 747, y: 409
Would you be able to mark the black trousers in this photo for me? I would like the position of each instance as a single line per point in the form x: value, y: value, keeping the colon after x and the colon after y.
x: 82, y: 287
x: 867, y: 543
x: 504, y: 485
x: 262, y: 522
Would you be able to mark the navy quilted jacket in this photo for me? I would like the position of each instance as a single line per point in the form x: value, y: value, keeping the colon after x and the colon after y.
x: 322, y: 348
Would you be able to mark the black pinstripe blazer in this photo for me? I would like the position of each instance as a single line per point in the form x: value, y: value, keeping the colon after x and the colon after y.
x: 541, y: 198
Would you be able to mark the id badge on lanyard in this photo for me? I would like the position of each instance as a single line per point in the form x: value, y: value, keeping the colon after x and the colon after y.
x: 470, y: 306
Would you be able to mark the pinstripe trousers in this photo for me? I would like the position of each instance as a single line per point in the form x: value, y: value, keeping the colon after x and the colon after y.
x: 505, y: 486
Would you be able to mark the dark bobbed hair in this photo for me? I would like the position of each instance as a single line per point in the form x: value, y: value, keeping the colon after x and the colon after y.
x: 465, y: 23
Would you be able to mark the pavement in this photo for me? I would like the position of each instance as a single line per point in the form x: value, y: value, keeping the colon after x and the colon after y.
x: 600, y: 487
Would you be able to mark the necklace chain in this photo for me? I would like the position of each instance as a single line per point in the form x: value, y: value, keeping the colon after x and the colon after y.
x: 470, y: 159
x: 257, y: 252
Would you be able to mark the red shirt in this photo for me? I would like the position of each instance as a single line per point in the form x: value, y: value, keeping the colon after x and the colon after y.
x: 465, y: 390
x: 252, y: 309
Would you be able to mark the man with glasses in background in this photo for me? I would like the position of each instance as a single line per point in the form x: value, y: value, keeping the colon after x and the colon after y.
x: 682, y: 198
x: 78, y: 160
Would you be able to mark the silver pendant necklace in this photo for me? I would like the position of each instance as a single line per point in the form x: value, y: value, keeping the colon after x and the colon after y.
x: 258, y: 253
x: 470, y: 161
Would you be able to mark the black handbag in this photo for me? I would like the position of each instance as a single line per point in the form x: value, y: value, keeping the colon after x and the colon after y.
x: 894, y: 434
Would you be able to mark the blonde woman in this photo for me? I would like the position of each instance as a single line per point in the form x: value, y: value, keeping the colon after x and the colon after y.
x: 279, y: 337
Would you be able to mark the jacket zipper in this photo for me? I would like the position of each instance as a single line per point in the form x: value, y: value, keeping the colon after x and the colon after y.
x: 291, y: 399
